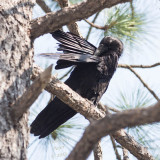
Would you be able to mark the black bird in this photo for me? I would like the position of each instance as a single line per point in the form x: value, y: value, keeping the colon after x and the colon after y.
x: 90, y: 78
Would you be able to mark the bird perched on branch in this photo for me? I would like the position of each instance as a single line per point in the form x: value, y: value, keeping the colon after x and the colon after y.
x: 90, y: 78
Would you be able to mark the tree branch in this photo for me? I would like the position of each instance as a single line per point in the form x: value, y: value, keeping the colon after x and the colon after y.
x: 53, y: 21
x: 145, y: 85
x: 139, y: 66
x: 105, y: 27
x: 90, y: 28
x: 28, y: 98
x: 43, y: 5
x: 73, y: 27
x: 125, y: 154
x: 97, y: 151
x: 83, y: 106
x: 118, y: 157
x: 112, y: 123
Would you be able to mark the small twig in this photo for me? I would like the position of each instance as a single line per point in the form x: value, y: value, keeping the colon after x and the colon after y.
x: 145, y: 85
x: 125, y: 154
x: 28, y: 98
x: 43, y: 5
x: 112, y: 109
x: 102, y: 107
x: 105, y: 27
x: 96, y: 26
x: 139, y: 66
x: 115, y: 148
x: 98, y: 151
x: 105, y: 108
x: 132, y: 8
x: 90, y: 28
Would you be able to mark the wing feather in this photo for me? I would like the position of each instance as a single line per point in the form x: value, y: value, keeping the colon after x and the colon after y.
x: 70, y: 40
x: 75, y: 50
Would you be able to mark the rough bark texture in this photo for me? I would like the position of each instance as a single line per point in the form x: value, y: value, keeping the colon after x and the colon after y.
x: 15, y: 69
x: 28, y: 98
x: 67, y: 15
x: 125, y: 154
x: 98, y: 151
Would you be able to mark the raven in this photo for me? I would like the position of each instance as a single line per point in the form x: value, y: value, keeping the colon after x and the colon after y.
x: 90, y: 78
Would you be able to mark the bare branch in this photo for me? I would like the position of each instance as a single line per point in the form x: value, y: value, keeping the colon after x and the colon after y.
x: 112, y: 109
x: 115, y: 148
x: 97, y: 148
x: 125, y: 154
x: 139, y: 66
x: 28, y: 98
x: 73, y: 27
x: 59, y: 89
x: 133, y: 147
x: 97, y: 151
x: 132, y: 8
x: 102, y: 107
x: 97, y: 26
x: 112, y: 123
x: 145, y: 85
x: 90, y: 28
x: 53, y: 21
x: 43, y: 5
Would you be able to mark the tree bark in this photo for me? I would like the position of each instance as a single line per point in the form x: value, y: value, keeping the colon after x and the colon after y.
x: 15, y: 69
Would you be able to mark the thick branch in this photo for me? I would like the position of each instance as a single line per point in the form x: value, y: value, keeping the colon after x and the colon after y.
x: 67, y: 15
x: 28, y: 98
x: 71, y: 98
x: 112, y: 123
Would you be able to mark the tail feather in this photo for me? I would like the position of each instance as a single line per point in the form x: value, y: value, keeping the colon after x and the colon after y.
x: 49, y: 119
x: 56, y: 124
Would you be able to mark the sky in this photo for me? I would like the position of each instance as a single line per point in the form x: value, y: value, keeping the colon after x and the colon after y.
x: 144, y: 51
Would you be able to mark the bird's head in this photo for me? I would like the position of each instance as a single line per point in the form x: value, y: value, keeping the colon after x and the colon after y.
x: 109, y: 45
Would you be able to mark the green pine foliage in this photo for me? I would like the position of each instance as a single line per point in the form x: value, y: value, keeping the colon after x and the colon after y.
x: 124, y: 23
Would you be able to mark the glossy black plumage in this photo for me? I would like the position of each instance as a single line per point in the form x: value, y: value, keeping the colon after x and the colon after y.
x: 90, y: 78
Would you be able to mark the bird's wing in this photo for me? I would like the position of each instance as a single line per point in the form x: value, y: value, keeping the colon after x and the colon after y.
x: 69, y: 59
x: 76, y: 50
x: 71, y: 43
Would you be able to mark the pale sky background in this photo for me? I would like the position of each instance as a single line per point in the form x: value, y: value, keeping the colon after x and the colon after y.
x: 146, y: 51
